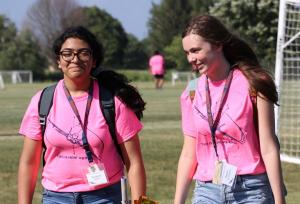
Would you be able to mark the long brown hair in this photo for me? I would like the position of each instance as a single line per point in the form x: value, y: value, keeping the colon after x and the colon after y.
x: 236, y: 51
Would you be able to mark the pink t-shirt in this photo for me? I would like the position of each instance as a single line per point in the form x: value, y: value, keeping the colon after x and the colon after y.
x: 66, y: 160
x: 156, y: 64
x: 237, y: 141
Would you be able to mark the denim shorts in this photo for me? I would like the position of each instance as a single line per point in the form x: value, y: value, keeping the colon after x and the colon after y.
x: 107, y: 195
x: 254, y: 189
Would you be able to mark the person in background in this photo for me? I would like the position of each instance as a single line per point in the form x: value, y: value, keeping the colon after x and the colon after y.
x: 230, y: 148
x: 157, y: 69
x: 70, y: 174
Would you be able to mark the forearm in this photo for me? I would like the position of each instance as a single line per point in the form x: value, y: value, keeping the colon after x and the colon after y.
x: 137, y: 180
x: 28, y: 170
x: 269, y: 148
x: 186, y: 167
x: 273, y: 167
x: 27, y: 177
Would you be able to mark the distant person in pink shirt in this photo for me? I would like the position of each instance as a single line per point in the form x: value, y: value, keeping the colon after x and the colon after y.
x: 157, y: 69
x: 230, y: 148
x: 82, y: 164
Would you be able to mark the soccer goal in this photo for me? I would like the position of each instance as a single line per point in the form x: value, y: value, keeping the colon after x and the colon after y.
x: 182, y: 76
x: 2, y: 86
x: 15, y: 77
x: 287, y: 77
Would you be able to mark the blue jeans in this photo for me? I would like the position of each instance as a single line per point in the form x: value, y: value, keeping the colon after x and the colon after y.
x: 248, y: 189
x: 107, y: 195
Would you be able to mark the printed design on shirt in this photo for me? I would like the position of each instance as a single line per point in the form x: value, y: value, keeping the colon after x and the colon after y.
x: 74, y: 136
x: 221, y: 135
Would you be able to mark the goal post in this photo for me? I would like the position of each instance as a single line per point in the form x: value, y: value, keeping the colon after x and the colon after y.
x: 15, y: 77
x: 2, y: 86
x: 287, y: 79
x: 182, y: 76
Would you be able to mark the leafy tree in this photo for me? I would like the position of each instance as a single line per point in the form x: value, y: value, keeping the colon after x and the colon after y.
x: 255, y: 20
x: 8, y: 31
x: 19, y: 52
x: 110, y: 32
x: 28, y: 55
x: 175, y: 54
x: 48, y: 18
x: 23, y: 53
x: 166, y: 25
x: 201, y: 7
x: 135, y: 54
x: 168, y: 20
x: 6, y: 57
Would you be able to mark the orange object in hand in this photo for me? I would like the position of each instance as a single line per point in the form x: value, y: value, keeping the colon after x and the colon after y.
x: 145, y: 200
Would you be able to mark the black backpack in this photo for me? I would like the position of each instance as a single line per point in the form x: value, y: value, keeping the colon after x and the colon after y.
x: 106, y: 103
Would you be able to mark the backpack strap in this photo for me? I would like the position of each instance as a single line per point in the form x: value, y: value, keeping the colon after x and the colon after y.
x: 253, y: 97
x: 45, y: 104
x: 107, y: 105
x: 191, y: 87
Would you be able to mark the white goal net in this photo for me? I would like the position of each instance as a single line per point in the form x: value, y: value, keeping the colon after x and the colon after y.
x: 14, y: 77
x: 287, y: 76
x: 182, y: 77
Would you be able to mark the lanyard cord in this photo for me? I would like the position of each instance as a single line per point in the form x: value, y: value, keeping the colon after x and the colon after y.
x: 85, y: 143
x: 213, y: 124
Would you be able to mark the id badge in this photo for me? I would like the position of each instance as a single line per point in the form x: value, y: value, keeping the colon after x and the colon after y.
x: 217, y: 172
x: 96, y: 175
x: 228, y: 175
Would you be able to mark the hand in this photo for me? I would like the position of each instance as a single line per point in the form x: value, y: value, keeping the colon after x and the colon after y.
x: 145, y: 200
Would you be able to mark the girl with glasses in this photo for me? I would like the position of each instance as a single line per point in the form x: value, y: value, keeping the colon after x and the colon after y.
x: 82, y: 164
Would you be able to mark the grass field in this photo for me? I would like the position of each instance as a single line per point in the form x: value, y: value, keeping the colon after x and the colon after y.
x: 161, y: 142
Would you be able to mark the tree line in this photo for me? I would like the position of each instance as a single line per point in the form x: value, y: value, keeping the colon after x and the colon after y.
x: 30, y: 47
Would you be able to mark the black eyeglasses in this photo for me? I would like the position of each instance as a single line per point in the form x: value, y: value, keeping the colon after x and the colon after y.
x: 83, y: 54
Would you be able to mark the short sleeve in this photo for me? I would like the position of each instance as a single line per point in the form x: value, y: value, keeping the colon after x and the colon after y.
x: 30, y: 125
x: 188, y: 126
x: 127, y: 124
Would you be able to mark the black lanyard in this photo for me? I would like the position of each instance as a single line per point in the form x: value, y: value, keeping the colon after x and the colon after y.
x: 86, y: 115
x: 213, y: 124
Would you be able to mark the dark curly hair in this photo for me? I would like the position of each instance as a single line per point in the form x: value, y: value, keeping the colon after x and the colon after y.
x: 84, y: 34
x: 117, y: 83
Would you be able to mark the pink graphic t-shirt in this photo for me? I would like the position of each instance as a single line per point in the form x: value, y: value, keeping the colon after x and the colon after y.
x: 236, y: 138
x: 66, y: 161
x: 156, y: 64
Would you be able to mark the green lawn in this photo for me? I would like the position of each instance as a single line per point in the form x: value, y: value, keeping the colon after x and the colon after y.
x: 161, y: 142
